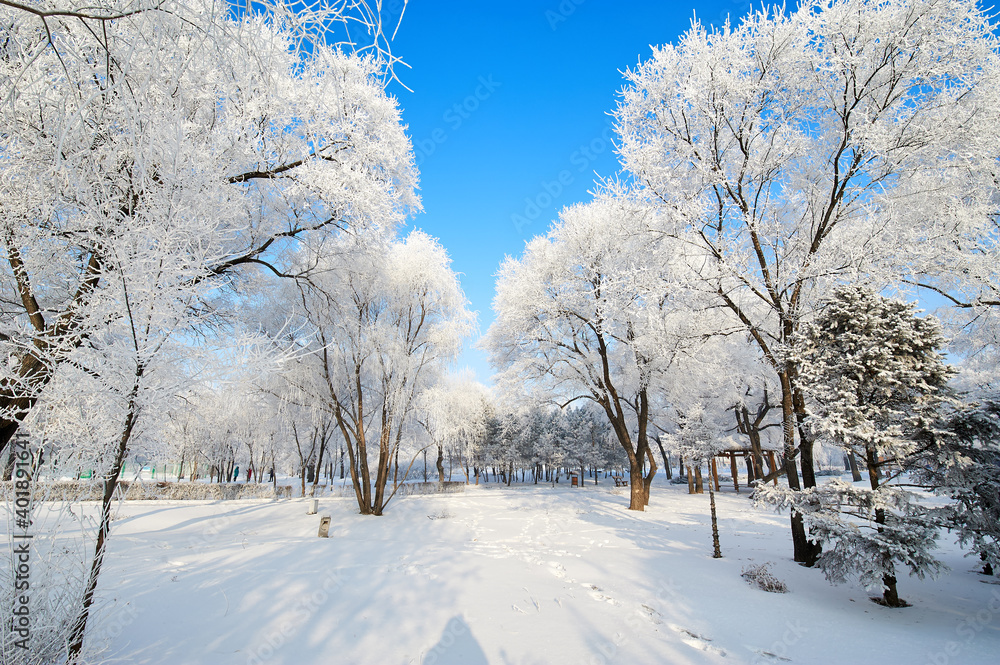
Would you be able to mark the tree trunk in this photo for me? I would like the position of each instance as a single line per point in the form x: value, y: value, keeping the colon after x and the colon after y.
x: 852, y: 461
x: 637, y: 498
x: 110, y: 483
x: 648, y: 480
x: 324, y: 436
x: 440, y: 464
x: 666, y: 460
x: 805, y: 441
x: 801, y: 550
x: 717, y: 550
x: 890, y: 596
x: 395, y: 473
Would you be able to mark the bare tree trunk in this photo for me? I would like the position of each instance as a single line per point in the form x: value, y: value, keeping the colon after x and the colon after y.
x: 395, y: 472
x: 648, y: 480
x: 324, y: 437
x: 855, y: 471
x: 890, y: 596
x: 717, y: 553
x: 666, y: 460
x: 110, y: 483
x: 805, y: 441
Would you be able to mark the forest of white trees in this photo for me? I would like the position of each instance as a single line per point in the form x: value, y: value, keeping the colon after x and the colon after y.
x: 205, y: 268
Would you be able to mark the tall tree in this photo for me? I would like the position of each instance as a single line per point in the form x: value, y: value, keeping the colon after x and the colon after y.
x: 233, y: 134
x: 153, y: 157
x: 453, y: 412
x: 808, y: 146
x: 581, y: 315
x: 874, y: 379
x: 379, y: 319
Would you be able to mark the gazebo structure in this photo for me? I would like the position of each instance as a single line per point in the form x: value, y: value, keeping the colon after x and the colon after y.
x: 754, y: 461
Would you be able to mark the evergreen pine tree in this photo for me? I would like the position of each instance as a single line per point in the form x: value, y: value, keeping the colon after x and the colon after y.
x: 874, y: 380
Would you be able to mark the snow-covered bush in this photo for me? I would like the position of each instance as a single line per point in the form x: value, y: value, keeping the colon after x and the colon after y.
x: 761, y: 578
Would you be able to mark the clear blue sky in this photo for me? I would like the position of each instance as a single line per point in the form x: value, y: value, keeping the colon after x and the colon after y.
x: 509, y: 115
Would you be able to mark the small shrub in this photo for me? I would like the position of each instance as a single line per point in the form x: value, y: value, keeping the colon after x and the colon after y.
x: 761, y: 578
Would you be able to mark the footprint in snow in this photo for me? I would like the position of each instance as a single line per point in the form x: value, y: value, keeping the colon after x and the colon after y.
x: 768, y: 656
x: 595, y: 593
x: 651, y: 614
x: 696, y: 641
x: 606, y: 599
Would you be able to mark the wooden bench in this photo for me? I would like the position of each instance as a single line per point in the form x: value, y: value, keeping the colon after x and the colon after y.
x: 620, y: 481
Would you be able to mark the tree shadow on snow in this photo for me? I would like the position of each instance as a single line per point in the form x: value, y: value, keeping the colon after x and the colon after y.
x: 457, y: 646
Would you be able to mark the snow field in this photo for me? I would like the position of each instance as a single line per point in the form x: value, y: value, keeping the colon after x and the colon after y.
x: 519, y: 576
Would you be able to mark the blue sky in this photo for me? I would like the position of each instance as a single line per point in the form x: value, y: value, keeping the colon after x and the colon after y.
x: 509, y: 115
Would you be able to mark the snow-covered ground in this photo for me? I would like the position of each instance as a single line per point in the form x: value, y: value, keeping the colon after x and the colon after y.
x: 523, y: 576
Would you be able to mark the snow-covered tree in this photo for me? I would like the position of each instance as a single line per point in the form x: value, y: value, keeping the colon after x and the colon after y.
x: 822, y: 144
x: 579, y: 316
x: 959, y: 457
x: 697, y: 437
x: 874, y: 378
x: 454, y: 413
x: 222, y: 136
x: 377, y: 322
x: 152, y: 157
